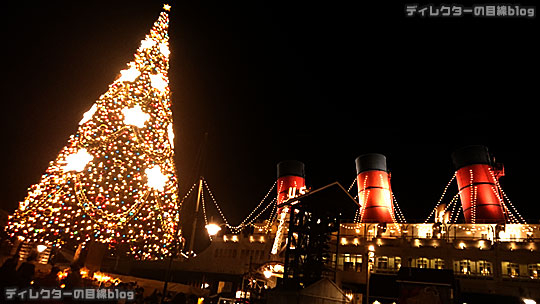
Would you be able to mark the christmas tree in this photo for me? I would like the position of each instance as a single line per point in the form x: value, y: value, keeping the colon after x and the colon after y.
x: 114, y: 182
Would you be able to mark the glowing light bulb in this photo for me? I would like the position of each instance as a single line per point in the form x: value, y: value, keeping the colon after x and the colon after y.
x: 129, y: 75
x: 156, y: 179
x: 88, y: 115
x: 147, y: 43
x: 164, y: 49
x: 77, y: 161
x: 212, y: 229
x: 41, y: 248
x: 135, y: 116
x: 267, y: 274
x: 158, y: 82
x: 170, y: 132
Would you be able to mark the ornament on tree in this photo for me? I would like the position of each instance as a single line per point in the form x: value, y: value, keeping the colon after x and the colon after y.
x: 115, y: 180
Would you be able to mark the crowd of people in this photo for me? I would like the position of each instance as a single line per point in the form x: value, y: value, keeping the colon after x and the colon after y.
x: 24, y: 275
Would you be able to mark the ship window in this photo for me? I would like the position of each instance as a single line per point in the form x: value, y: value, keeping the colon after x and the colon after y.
x: 534, y: 271
x: 422, y: 263
x: 397, y: 263
x: 485, y: 268
x: 438, y: 263
x: 512, y: 269
x: 462, y: 267
x: 382, y: 262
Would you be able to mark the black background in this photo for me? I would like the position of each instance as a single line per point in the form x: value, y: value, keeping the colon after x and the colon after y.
x: 320, y: 82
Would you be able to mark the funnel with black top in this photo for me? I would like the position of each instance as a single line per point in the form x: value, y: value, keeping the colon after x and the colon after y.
x: 477, y: 182
x: 290, y: 180
x: 374, y: 192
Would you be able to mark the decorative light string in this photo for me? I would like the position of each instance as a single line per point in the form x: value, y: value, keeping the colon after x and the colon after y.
x: 441, y: 198
x: 352, y: 185
x: 363, y: 198
x: 506, y: 197
x: 400, y: 215
x: 452, y: 218
x: 250, y: 218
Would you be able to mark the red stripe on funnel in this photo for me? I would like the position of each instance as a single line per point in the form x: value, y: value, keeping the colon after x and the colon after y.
x: 480, y: 199
x: 375, y: 196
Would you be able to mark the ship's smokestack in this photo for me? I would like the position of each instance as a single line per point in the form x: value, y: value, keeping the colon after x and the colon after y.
x: 374, y: 192
x: 476, y: 179
x: 290, y: 180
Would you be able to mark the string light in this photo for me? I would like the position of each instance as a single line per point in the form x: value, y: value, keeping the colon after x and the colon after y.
x: 441, y: 198
x: 352, y: 185
x: 401, y: 217
x: 250, y: 218
x: 507, y: 199
x: 363, y: 198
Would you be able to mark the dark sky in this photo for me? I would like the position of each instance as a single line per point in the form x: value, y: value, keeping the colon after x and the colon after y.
x: 320, y: 82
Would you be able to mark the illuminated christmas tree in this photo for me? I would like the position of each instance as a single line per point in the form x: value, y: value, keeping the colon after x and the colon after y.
x: 115, y: 181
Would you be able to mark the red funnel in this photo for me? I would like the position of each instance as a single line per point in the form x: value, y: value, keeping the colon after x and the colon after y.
x: 477, y: 183
x: 374, y: 192
x: 291, y: 180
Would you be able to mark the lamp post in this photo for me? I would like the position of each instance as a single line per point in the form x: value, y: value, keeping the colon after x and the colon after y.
x: 370, y: 255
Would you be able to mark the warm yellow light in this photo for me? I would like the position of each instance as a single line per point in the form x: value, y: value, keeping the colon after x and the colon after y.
x: 166, y: 7
x: 164, y: 49
x: 212, y: 229
x: 462, y: 245
x: 234, y: 238
x: 77, y: 161
x: 170, y: 133
x: 267, y: 274
x: 88, y: 115
x: 158, y: 82
x: 41, y: 248
x: 371, y: 248
x: 129, y: 75
x: 156, y: 179
x: 147, y: 43
x: 135, y: 116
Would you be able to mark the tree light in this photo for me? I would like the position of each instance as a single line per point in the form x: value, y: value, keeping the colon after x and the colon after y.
x: 135, y: 116
x: 164, y: 49
x: 158, y: 82
x: 77, y: 161
x: 41, y: 248
x: 156, y: 179
x: 88, y: 115
x: 170, y: 133
x: 147, y: 43
x: 212, y: 229
x: 130, y: 74
x: 267, y: 274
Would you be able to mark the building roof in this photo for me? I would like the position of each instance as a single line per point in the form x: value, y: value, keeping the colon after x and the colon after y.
x: 325, y: 289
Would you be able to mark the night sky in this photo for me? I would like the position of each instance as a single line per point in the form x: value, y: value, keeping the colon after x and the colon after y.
x: 319, y: 82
